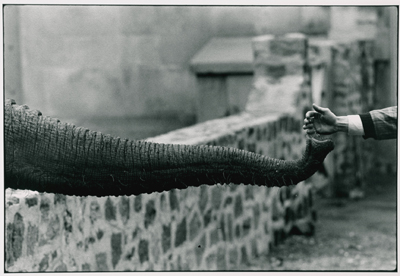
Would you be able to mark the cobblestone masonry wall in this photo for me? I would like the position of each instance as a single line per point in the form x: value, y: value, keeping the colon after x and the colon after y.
x: 216, y: 227
x: 206, y: 228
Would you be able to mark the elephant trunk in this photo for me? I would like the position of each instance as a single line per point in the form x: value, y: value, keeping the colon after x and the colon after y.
x: 45, y: 155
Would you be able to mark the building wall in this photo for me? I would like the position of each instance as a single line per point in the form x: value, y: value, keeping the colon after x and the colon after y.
x: 122, y: 61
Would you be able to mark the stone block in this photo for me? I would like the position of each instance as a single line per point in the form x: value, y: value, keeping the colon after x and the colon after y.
x: 9, y: 258
x: 237, y: 231
x: 85, y: 267
x: 31, y: 239
x: 233, y: 256
x: 203, y: 200
x: 59, y: 199
x: 155, y: 251
x: 101, y: 262
x: 207, y: 217
x: 249, y: 192
x: 269, y: 48
x: 199, y: 249
x: 88, y: 241
x: 194, y: 226
x: 109, y: 208
x: 254, y: 248
x: 67, y: 218
x: 246, y: 226
x: 143, y: 251
x: 136, y: 232
x: 180, y: 234
x: 266, y: 228
x: 221, y: 260
x: 256, y: 214
x: 31, y: 201
x: 228, y: 201
x: 214, y: 237
x: 44, y: 263
x: 216, y: 196
x: 244, y: 256
x: 94, y: 211
x: 44, y: 208
x: 289, y: 215
x: 211, y: 261
x: 18, y: 235
x: 53, y: 228
x: 279, y: 236
x: 137, y: 204
x: 61, y: 268
x: 116, y: 248
x: 124, y: 208
x: 150, y: 213
x: 163, y: 202
x: 173, y: 200
x: 222, y: 227
x: 99, y: 234
x: 230, y: 227
x: 238, y: 208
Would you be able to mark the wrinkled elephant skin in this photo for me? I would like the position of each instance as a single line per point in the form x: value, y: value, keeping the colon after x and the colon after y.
x: 45, y: 155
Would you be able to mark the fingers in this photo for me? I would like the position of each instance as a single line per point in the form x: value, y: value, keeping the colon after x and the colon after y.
x: 309, y: 126
x: 311, y: 114
x: 320, y: 109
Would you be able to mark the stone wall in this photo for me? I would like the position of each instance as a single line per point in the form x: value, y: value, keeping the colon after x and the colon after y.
x: 218, y: 227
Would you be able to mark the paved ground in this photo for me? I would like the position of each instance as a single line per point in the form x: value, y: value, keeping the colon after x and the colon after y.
x: 350, y: 236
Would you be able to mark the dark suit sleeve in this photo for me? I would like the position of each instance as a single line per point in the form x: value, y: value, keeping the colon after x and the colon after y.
x: 380, y: 124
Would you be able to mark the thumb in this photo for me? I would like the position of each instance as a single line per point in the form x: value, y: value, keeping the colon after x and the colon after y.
x: 320, y: 109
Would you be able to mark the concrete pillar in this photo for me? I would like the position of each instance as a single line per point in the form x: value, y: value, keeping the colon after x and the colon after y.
x: 281, y: 78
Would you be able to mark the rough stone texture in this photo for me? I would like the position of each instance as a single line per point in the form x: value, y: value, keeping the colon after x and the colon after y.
x: 180, y: 234
x: 116, y: 250
x: 278, y: 73
x: 138, y: 203
x: 101, y: 262
x: 143, y: 251
x: 238, y: 210
x: 194, y: 226
x: 351, y: 64
x: 124, y: 209
x: 150, y: 214
x: 166, y: 238
x: 31, y: 201
x: 31, y: 239
x: 199, y: 228
x: 173, y: 200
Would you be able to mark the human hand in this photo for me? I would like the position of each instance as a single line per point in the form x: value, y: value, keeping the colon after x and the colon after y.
x: 321, y: 120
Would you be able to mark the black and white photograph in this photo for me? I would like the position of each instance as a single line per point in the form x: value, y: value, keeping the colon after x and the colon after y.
x: 200, y: 137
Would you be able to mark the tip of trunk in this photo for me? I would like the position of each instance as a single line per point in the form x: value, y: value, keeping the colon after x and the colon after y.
x: 318, y: 149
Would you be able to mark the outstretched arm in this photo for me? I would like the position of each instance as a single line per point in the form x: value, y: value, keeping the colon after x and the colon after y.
x: 377, y: 124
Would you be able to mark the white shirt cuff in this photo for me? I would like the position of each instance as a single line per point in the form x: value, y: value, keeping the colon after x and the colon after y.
x: 355, y: 125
